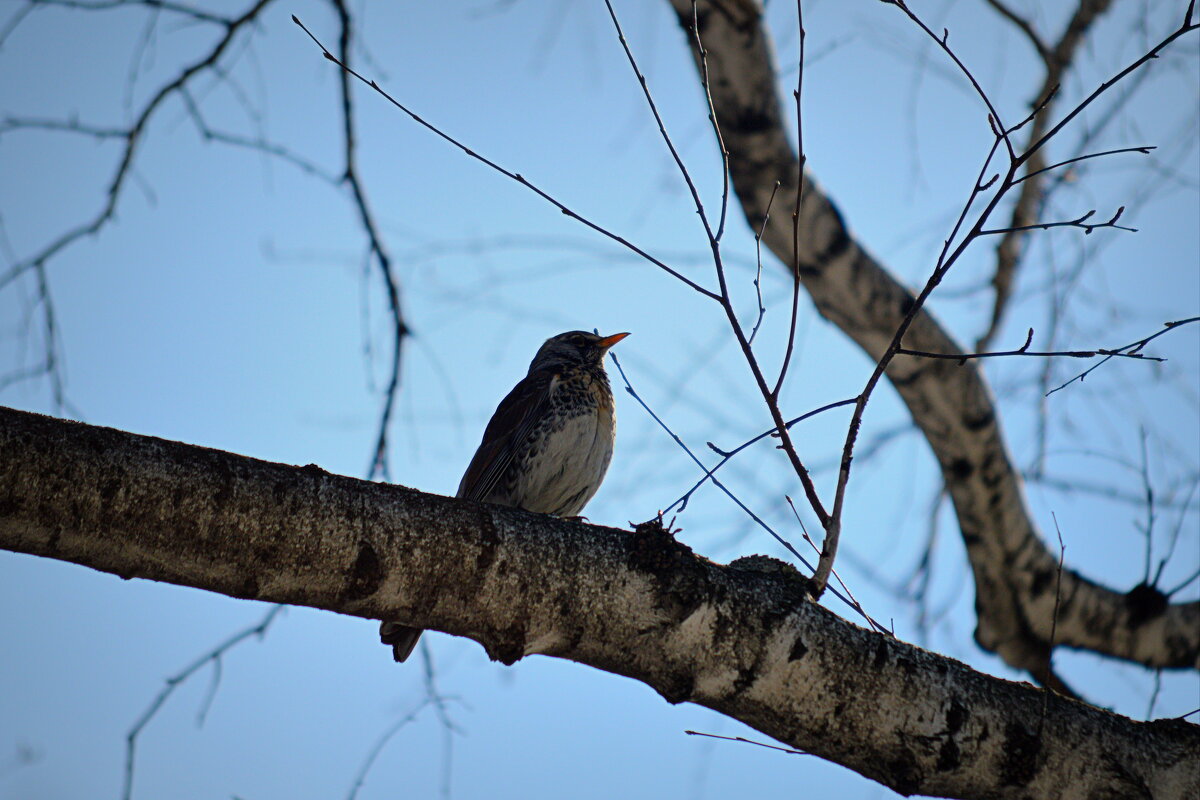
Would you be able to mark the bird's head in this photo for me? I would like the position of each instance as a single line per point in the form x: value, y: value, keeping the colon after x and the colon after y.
x: 573, y: 348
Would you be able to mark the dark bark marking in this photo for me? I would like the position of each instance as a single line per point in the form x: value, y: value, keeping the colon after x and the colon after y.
x: 1144, y: 603
x: 366, y: 574
x: 1021, y: 751
x: 799, y: 650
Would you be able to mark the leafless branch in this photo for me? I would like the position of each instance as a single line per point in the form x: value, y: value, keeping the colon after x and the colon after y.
x: 1057, y: 60
x: 361, y: 776
x: 950, y: 255
x: 507, y: 173
x: 379, y: 459
x: 183, y: 9
x: 1079, y: 222
x: 1143, y: 149
x: 801, y: 162
x: 1130, y: 350
x: 749, y: 741
x: 213, y: 657
x: 133, y: 138
x: 762, y: 310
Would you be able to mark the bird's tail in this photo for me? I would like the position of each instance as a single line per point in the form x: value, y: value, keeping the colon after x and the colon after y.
x: 402, y: 638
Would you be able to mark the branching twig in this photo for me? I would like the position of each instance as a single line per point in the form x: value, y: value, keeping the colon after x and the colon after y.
x: 507, y: 173
x: 762, y: 310
x: 1079, y: 222
x: 379, y: 459
x: 1129, y: 350
x: 801, y: 162
x: 728, y: 493
x: 133, y: 139
x: 361, y: 776
x: 952, y: 252
x: 726, y: 455
x: 175, y: 681
x: 1032, y: 197
x: 1023, y: 350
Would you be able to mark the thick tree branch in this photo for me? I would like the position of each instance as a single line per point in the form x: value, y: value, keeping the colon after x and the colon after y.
x: 743, y: 640
x: 1014, y: 571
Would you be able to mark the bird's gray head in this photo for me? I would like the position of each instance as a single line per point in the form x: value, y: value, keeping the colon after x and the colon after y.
x: 573, y: 348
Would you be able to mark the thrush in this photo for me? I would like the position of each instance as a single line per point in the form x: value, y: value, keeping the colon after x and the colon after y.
x: 548, y: 445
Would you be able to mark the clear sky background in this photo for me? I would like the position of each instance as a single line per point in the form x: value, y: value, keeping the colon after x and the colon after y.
x: 229, y: 305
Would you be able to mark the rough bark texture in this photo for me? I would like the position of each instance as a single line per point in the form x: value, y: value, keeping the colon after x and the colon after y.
x: 1015, y: 573
x: 742, y: 639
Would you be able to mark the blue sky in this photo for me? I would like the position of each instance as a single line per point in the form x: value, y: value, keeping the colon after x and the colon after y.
x: 229, y: 305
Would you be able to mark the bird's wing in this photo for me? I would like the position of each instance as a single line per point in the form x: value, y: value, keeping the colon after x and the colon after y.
x: 512, y: 422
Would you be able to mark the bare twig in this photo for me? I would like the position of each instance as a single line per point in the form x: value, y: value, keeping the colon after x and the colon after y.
x: 507, y: 173
x: 1032, y: 197
x: 379, y: 459
x: 361, y: 776
x: 749, y: 741
x: 801, y: 162
x: 1023, y: 350
x: 728, y: 493
x: 1143, y: 149
x: 726, y: 455
x: 762, y: 310
x: 133, y: 139
x: 1132, y: 348
x: 213, y: 657
x: 853, y: 601
x: 1079, y: 222
x: 950, y: 255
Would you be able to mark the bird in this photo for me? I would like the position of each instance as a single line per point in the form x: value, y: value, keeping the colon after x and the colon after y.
x: 547, y: 446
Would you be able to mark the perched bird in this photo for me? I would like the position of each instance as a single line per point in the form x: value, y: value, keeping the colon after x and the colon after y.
x: 548, y: 445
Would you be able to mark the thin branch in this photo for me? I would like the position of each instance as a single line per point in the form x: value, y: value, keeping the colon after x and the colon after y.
x: 708, y: 476
x: 1024, y: 350
x: 942, y: 41
x: 853, y: 601
x: 1143, y: 149
x: 361, y: 776
x: 726, y: 455
x: 663, y: 130
x: 1187, y: 26
x: 679, y: 441
x: 801, y: 161
x: 749, y: 741
x: 1026, y: 27
x: 379, y: 459
x: 1078, y: 222
x: 133, y: 138
x: 948, y: 257
x: 1032, y: 198
x: 175, y: 681
x: 507, y: 173
x: 724, y: 297
x: 762, y: 310
x: 258, y: 144
x: 1126, y: 351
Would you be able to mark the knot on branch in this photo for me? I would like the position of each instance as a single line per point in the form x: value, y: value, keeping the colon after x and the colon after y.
x: 1145, y: 602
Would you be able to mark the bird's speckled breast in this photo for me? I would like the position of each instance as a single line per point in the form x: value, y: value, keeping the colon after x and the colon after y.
x: 569, y: 452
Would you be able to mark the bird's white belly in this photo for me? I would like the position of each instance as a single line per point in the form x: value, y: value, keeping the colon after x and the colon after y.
x: 569, y: 465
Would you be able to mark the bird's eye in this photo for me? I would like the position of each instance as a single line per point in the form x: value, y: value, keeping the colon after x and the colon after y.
x: 578, y: 340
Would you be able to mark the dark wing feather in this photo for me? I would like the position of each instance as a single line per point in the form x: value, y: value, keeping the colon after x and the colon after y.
x: 512, y: 422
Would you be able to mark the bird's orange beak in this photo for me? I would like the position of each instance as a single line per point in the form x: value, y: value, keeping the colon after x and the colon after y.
x: 609, y: 341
